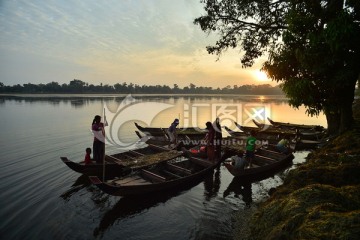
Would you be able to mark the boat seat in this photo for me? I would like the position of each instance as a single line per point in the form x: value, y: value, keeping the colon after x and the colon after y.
x: 113, y: 159
x: 171, y: 174
x: 266, y: 158
x: 136, y: 153
x: 255, y: 165
x: 178, y: 169
x: 153, y: 176
x: 271, y: 151
x: 132, y: 180
x: 202, y: 162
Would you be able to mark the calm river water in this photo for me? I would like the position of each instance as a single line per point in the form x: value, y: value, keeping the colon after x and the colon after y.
x: 41, y: 198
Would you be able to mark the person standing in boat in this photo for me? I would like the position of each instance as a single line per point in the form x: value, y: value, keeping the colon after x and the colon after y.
x: 209, y: 140
x: 250, y: 147
x: 99, y: 139
x: 172, y: 131
x: 218, y: 137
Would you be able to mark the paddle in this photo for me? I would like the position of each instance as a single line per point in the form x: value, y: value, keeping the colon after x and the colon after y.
x: 104, y: 124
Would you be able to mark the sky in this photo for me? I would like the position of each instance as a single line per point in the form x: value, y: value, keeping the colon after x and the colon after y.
x: 145, y: 42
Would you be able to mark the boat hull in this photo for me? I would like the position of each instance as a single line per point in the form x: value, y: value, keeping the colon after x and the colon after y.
x: 119, y: 164
x: 262, y: 164
x: 111, y: 169
x: 200, y: 168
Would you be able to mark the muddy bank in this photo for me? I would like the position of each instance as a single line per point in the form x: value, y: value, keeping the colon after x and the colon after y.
x: 320, y: 199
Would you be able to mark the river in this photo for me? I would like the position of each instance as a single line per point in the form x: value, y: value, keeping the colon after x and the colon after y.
x: 41, y: 198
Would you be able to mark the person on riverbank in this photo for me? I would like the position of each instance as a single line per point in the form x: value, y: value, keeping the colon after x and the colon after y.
x: 171, y: 131
x: 209, y: 140
x: 99, y: 139
x: 87, y: 159
x: 250, y: 147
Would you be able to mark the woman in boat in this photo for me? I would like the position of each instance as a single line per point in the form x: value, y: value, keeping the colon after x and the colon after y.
x: 99, y: 139
x: 172, y: 131
x: 250, y: 147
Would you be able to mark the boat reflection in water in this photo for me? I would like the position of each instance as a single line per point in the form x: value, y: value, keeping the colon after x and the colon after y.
x: 243, y: 185
x: 240, y: 187
x: 132, y: 205
x: 212, y: 185
x: 80, y: 183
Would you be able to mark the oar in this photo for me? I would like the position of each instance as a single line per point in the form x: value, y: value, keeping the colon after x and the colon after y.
x: 104, y: 147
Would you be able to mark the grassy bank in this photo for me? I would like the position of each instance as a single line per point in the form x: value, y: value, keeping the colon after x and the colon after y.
x: 320, y: 199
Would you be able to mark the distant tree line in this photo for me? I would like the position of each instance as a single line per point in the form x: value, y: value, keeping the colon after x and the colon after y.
x: 78, y: 86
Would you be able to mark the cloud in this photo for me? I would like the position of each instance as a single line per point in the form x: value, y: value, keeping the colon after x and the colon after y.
x: 143, y: 41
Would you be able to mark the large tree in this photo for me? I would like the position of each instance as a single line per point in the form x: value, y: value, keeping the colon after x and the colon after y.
x: 312, y: 47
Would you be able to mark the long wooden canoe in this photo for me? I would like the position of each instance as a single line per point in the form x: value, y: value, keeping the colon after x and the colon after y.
x: 299, y: 143
x: 265, y: 160
x: 172, y: 174
x: 261, y: 136
x: 264, y: 130
x: 269, y: 131
x: 296, y: 126
x: 193, y: 133
x: 124, y: 162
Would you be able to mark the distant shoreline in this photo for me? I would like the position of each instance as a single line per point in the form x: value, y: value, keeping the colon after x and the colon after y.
x: 132, y: 94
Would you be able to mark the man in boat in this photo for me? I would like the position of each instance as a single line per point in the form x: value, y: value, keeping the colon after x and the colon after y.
x: 218, y: 137
x: 172, y: 132
x: 209, y: 140
x: 238, y: 162
x: 283, y: 145
x: 250, y: 147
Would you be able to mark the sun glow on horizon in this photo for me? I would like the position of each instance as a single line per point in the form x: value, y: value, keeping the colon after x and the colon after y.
x: 261, y: 76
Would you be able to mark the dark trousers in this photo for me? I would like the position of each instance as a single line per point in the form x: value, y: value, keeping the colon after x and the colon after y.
x: 99, y: 151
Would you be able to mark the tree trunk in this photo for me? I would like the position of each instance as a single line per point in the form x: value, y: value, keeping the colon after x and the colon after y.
x: 333, y: 122
x: 346, y: 102
x: 346, y: 118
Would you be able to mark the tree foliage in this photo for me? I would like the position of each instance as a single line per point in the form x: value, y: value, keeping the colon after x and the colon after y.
x: 312, y: 47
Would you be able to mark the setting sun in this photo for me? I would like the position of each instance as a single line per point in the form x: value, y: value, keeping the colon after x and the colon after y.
x: 261, y: 76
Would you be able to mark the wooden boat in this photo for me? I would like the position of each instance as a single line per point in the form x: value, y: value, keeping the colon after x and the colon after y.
x: 262, y: 125
x: 122, y: 163
x: 154, y: 140
x: 301, y: 141
x: 266, y: 160
x: 261, y: 136
x: 171, y: 174
x: 182, y: 133
x: 304, y: 144
x: 296, y: 126
x: 291, y: 133
x: 270, y: 131
x: 158, y: 141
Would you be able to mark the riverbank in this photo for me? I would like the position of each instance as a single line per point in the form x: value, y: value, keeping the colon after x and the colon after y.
x: 320, y: 199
